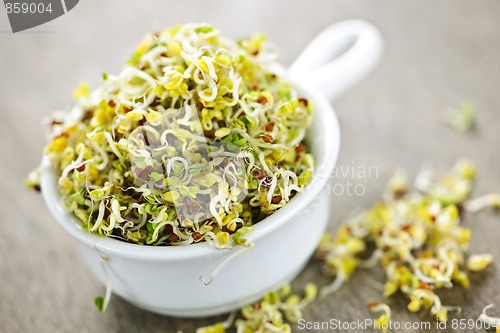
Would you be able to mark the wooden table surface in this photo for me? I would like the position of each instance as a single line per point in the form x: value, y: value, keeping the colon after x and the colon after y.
x: 438, y: 53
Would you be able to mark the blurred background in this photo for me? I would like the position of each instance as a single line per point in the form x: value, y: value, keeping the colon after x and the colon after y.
x: 437, y: 54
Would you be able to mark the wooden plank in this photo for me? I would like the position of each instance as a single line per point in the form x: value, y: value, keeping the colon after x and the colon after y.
x: 438, y: 53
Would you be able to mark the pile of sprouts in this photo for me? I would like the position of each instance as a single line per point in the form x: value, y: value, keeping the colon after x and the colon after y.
x: 196, y: 139
x: 417, y: 239
x: 273, y: 313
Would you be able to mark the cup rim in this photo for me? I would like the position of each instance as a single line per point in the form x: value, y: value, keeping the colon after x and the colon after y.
x: 108, y: 245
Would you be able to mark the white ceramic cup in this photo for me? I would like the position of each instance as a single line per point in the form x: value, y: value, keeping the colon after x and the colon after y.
x: 166, y: 280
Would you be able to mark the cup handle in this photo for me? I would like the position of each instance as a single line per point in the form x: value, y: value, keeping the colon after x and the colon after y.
x: 324, y: 67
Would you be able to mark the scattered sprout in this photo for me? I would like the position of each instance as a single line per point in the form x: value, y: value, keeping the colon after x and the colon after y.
x: 397, y: 186
x: 82, y: 91
x: 340, y: 257
x: 479, y: 262
x: 462, y: 120
x: 33, y: 180
x: 488, y: 200
x: 218, y: 327
x: 99, y: 303
x: 488, y: 320
x: 382, y: 322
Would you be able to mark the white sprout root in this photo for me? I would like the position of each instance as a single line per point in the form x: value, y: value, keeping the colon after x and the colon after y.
x: 107, y: 274
x: 487, y: 319
x: 225, y: 262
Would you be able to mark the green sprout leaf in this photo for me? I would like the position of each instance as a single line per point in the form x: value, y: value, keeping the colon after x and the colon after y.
x: 99, y: 303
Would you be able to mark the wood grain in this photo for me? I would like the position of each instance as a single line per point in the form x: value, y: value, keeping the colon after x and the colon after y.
x: 438, y: 53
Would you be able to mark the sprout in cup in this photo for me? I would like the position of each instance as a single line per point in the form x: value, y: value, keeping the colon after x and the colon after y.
x: 196, y: 139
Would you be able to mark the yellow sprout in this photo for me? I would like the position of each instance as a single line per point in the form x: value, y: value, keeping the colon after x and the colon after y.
x: 82, y: 91
x: 479, y: 262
